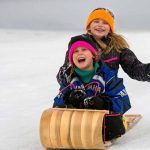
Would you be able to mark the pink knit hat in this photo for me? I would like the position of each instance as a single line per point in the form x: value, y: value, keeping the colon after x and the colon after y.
x: 81, y: 44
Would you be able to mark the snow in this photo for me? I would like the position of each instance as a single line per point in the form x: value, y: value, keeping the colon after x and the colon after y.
x: 29, y: 62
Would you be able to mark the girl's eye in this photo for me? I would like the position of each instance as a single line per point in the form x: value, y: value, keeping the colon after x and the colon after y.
x: 84, y: 49
x: 75, y: 51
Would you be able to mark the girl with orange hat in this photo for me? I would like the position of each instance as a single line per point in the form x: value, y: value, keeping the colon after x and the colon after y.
x: 111, y: 47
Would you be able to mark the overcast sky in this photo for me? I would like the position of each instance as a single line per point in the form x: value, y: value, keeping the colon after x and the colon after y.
x: 71, y: 14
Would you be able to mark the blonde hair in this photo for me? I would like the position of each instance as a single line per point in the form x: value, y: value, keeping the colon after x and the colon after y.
x: 117, y: 42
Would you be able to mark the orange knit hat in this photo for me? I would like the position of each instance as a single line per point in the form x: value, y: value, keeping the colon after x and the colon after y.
x: 101, y: 13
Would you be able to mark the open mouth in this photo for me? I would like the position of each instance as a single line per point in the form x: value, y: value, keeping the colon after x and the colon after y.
x: 100, y: 30
x: 81, y: 59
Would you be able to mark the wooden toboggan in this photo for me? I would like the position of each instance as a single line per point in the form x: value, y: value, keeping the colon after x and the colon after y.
x: 72, y: 128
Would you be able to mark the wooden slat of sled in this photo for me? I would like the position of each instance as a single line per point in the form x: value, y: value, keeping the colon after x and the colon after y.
x: 86, y: 129
x: 72, y: 129
x: 55, y: 129
x: 64, y: 128
x: 44, y: 128
x: 132, y: 120
x: 75, y: 129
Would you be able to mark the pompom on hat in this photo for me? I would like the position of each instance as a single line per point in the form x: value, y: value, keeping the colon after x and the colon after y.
x: 101, y: 13
x: 81, y: 41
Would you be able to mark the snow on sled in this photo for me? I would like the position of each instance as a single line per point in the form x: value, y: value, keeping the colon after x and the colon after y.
x: 62, y: 128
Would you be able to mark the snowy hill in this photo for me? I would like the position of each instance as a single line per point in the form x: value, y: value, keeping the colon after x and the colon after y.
x: 29, y: 61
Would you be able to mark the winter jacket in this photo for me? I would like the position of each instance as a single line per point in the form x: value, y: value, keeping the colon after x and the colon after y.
x: 105, y: 82
x: 126, y: 58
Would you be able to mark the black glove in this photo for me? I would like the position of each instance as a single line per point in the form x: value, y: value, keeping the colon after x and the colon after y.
x: 114, y: 127
x: 98, y: 102
x: 75, y: 98
x: 94, y: 102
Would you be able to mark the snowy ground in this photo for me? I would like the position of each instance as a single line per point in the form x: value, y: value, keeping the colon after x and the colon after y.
x: 29, y: 61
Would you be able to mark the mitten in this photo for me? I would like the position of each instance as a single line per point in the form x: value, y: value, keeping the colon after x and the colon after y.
x: 75, y: 98
x: 94, y: 102
x: 114, y: 127
x: 98, y: 102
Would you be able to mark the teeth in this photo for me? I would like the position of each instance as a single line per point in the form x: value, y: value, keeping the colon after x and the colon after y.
x: 80, y: 59
x: 100, y: 30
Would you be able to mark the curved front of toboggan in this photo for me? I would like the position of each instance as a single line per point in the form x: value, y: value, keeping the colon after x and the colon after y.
x: 72, y: 128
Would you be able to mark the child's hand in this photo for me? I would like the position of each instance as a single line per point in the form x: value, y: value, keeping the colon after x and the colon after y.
x: 94, y: 102
x: 75, y: 98
x: 98, y: 102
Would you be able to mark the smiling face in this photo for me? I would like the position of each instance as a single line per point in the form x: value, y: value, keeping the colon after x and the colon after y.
x: 99, y: 28
x: 83, y: 58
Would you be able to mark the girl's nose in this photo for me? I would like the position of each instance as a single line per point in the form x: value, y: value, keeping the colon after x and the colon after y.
x: 80, y: 51
x: 100, y: 23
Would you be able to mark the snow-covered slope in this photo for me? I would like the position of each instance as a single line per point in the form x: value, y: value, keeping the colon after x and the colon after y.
x: 29, y: 61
